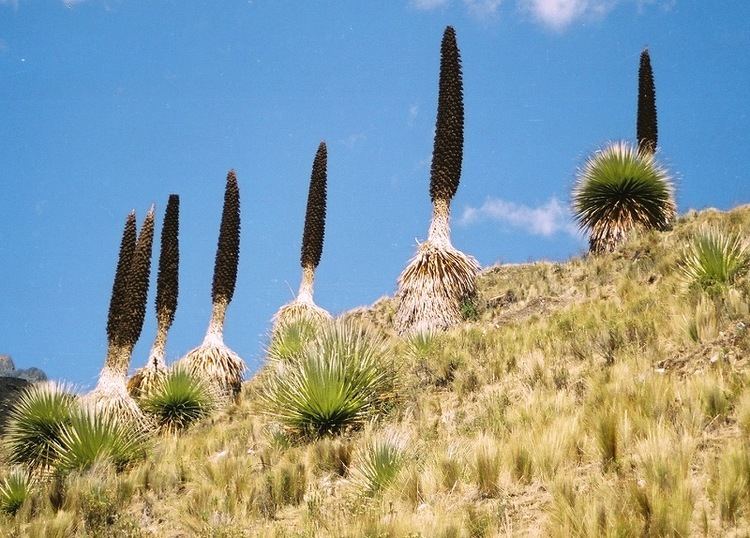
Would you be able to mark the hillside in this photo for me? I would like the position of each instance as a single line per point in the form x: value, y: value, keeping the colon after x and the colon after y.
x: 594, y: 397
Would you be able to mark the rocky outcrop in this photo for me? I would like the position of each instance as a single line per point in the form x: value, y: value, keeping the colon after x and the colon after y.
x: 8, y: 369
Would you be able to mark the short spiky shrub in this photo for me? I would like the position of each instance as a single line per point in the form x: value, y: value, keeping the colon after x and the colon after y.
x: 15, y: 488
x: 619, y: 190
x: 35, y: 423
x: 178, y: 400
x: 715, y: 259
x: 378, y: 463
x: 342, y: 379
x: 98, y: 436
x: 440, y: 279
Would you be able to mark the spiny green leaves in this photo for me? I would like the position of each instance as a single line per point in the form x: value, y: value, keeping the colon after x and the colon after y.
x: 178, y: 400
x: 447, y: 153
x: 35, y: 423
x: 167, y: 285
x: 618, y: 189
x: 228, y: 250
x: 315, y: 216
x: 647, y: 135
x: 339, y: 380
x: 119, y: 287
x: 715, y: 260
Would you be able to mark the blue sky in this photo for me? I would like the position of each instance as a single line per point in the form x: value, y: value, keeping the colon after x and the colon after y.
x: 111, y: 105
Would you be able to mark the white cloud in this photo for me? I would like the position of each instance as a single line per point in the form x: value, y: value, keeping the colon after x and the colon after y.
x: 427, y: 5
x: 559, y: 14
x: 483, y: 8
x: 548, y: 219
x: 353, y: 139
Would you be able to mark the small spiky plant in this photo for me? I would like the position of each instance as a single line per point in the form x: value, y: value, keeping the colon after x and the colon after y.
x: 127, y: 310
x: 213, y: 360
x: 440, y: 278
x: 167, y: 288
x: 303, y: 305
x: 715, y: 259
x: 618, y: 190
x: 647, y: 134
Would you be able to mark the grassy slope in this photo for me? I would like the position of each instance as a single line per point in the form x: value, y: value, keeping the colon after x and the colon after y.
x: 577, y: 403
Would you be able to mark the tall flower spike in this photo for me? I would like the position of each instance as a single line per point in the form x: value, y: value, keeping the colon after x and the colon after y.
x: 137, y: 288
x: 315, y: 216
x: 646, y: 123
x: 146, y: 378
x: 167, y: 285
x: 228, y: 249
x: 119, y: 291
x: 447, y: 152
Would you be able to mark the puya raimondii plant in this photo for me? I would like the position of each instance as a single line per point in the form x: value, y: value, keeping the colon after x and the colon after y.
x: 622, y: 188
x: 213, y: 359
x: 440, y: 278
x: 167, y: 289
x: 127, y: 311
x: 313, y: 235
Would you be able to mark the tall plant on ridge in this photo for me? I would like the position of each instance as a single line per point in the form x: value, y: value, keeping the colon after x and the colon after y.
x: 303, y: 306
x: 213, y: 360
x: 440, y: 278
x: 127, y: 310
x: 167, y: 289
x: 646, y: 128
x: 622, y: 188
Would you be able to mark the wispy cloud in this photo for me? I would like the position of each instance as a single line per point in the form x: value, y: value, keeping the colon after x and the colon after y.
x: 427, y: 5
x: 353, y: 139
x: 548, y: 219
x: 483, y: 9
x: 559, y: 14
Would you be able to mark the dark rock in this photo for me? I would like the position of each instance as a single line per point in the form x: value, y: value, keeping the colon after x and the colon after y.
x: 10, y: 389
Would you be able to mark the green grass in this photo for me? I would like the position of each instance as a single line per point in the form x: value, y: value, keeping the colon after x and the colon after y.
x: 577, y: 404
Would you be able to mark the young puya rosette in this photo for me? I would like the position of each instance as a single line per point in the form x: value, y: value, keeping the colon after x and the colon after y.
x: 213, y: 360
x: 127, y: 311
x: 167, y: 289
x: 303, y: 306
x: 440, y: 278
x: 622, y: 188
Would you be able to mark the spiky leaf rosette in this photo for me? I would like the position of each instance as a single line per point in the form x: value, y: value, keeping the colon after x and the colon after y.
x: 137, y: 284
x: 119, y: 287
x: 447, y: 152
x: 620, y: 189
x: 647, y: 134
x: 432, y: 288
x: 167, y: 284
x: 315, y: 216
x: 35, y: 423
x: 715, y: 259
x: 228, y: 250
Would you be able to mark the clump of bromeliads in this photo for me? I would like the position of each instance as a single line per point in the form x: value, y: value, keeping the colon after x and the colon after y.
x: 440, y: 278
